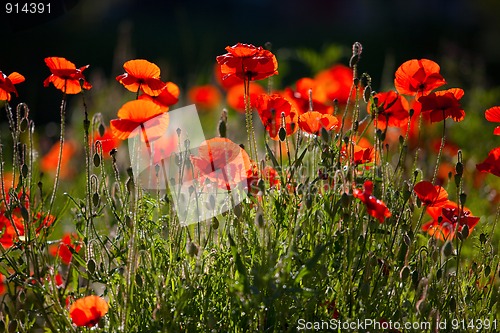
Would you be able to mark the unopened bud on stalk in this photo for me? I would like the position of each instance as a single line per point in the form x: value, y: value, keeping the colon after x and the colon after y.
x: 357, y: 49
x: 367, y: 93
x: 101, y: 130
x: 223, y: 124
x: 459, y: 168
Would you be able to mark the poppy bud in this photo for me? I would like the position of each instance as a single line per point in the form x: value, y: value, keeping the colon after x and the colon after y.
x: 101, y: 130
x: 463, y: 198
x: 465, y: 231
x: 24, y: 124
x: 367, y: 93
x: 448, y: 249
x: 459, y: 168
x: 24, y: 170
x: 91, y: 266
x: 452, y: 303
x: 439, y: 274
x: 487, y: 270
x: 97, y: 160
x: 215, y: 223
x: 96, y: 199
x: 458, y: 178
x: 222, y: 128
x: 282, y: 134
x: 482, y: 238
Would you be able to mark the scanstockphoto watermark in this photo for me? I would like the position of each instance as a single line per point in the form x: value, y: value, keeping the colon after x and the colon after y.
x: 205, y: 178
x: 361, y: 325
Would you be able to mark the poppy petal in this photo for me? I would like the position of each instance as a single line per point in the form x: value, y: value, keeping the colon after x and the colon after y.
x: 55, y: 63
x: 141, y: 68
x: 16, y: 78
x: 493, y: 114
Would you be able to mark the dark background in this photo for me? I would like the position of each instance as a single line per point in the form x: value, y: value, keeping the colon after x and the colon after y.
x: 184, y: 37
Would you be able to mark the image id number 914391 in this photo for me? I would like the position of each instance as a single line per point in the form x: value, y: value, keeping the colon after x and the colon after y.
x: 27, y: 8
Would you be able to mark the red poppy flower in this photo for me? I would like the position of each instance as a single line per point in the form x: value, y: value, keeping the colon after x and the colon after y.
x: 317, y: 88
x: 443, y: 104
x: 87, y: 311
x: 10, y: 230
x: 167, y: 97
x: 65, y: 76
x: 334, y: 84
x: 392, y: 109
x: 362, y: 153
x: 43, y: 220
x: 221, y: 161
x: 7, y: 85
x: 493, y: 115
x: 247, y: 62
x: 275, y: 109
x: 107, y: 140
x: 141, y: 75
x: 132, y: 120
x: 418, y: 77
x: 374, y: 206
x: 235, y: 96
x: 448, y: 219
x: 206, y: 97
x: 268, y: 174
x: 312, y: 122
x: 48, y: 163
x: 301, y: 101
x: 63, y: 249
x: 430, y: 195
x: 492, y: 163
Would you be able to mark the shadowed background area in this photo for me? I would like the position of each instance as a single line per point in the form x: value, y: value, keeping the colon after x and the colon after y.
x: 184, y: 37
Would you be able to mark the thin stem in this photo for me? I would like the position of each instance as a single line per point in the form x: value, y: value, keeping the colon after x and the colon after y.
x: 443, y: 138
x: 59, y: 159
